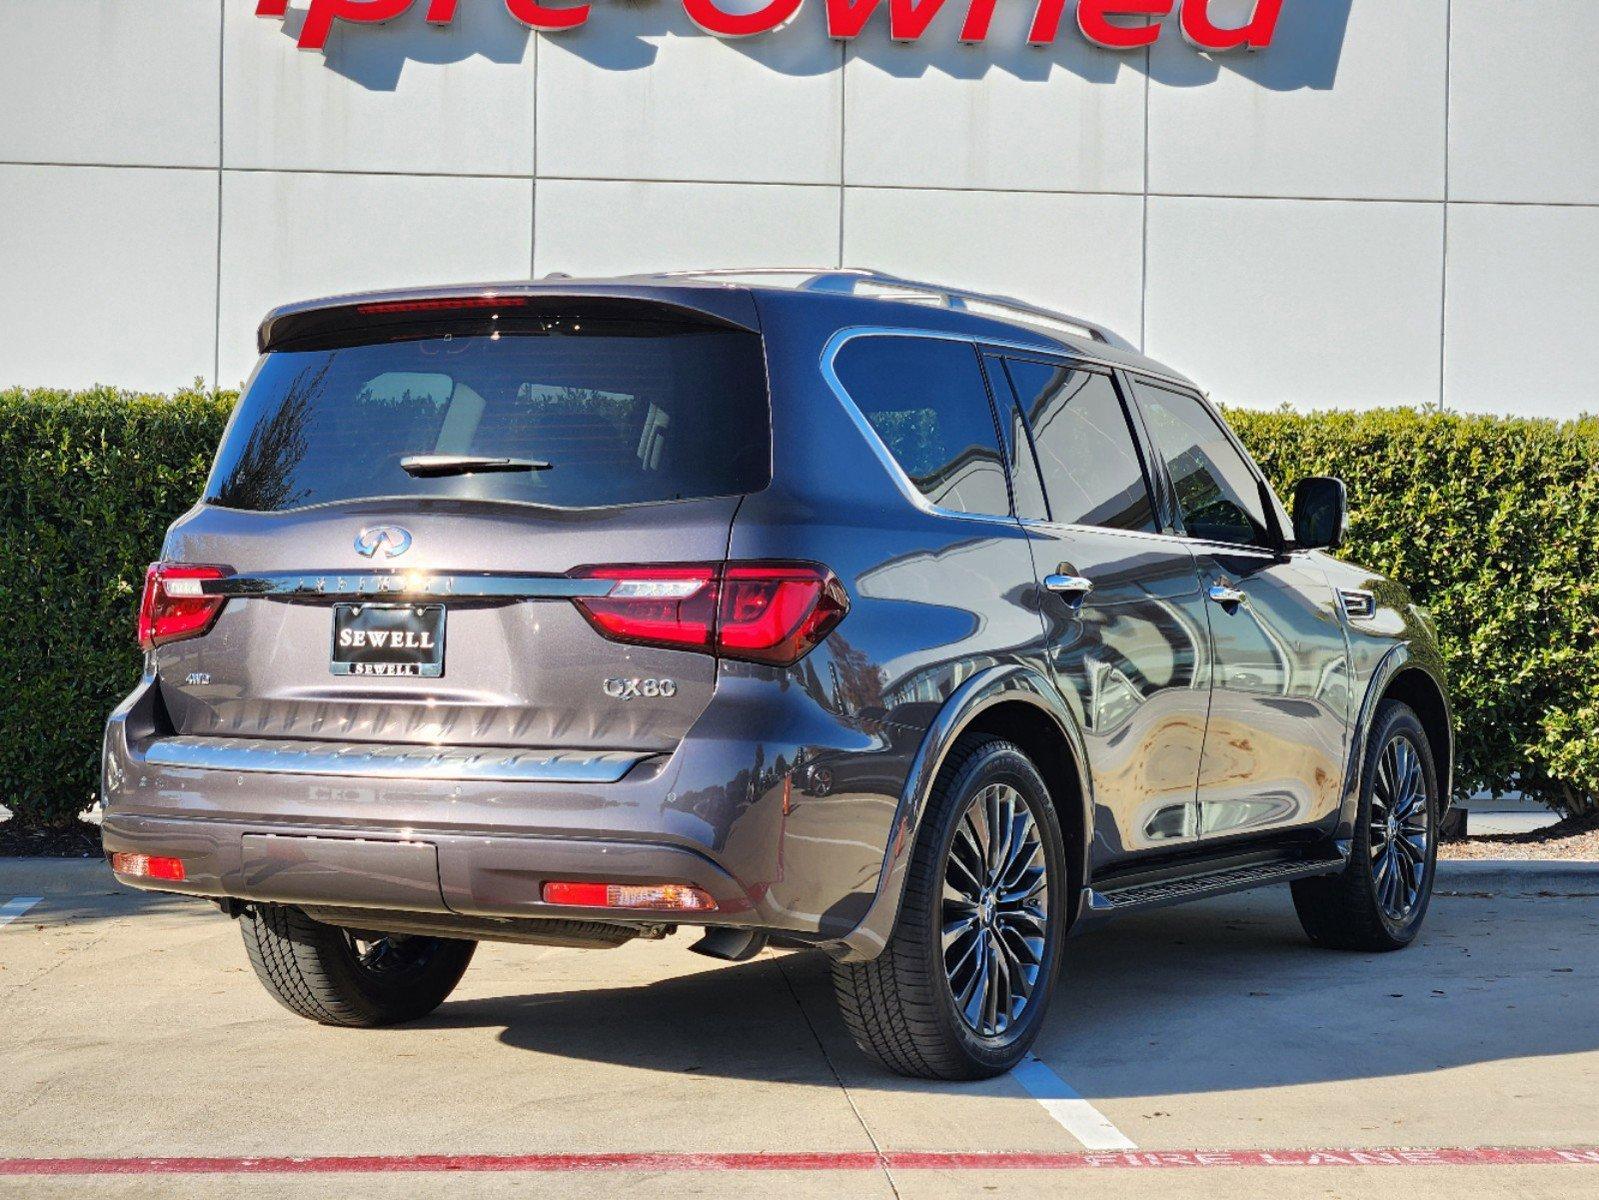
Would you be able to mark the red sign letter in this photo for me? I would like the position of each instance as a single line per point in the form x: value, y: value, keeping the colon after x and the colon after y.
x: 1255, y: 35
x: 1046, y: 22
x: 441, y: 12
x: 1092, y: 14
x: 721, y: 23
x: 907, y: 19
x: 979, y: 13
x: 272, y: 8
x: 535, y: 16
x: 319, y: 21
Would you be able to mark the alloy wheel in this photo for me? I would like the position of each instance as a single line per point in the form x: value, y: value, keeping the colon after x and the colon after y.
x: 1401, y: 828
x: 995, y: 910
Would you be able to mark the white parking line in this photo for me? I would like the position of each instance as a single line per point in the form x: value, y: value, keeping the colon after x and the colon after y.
x: 1074, y: 1114
x: 12, y: 909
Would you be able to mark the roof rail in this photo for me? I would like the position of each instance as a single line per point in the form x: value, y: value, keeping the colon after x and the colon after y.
x: 882, y: 285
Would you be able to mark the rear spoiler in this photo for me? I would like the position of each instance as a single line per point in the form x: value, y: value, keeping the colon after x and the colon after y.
x: 397, y: 314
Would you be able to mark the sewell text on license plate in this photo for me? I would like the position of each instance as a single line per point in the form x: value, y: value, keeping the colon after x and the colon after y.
x: 388, y: 639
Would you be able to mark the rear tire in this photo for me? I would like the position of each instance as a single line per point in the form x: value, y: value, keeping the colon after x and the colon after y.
x: 344, y: 977
x: 1377, y: 903
x: 923, y: 1006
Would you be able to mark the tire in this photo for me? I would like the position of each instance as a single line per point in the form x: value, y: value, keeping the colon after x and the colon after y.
x: 902, y: 1007
x: 346, y: 977
x: 1378, y: 902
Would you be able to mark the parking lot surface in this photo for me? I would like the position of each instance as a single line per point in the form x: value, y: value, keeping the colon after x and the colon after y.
x: 1200, y: 1051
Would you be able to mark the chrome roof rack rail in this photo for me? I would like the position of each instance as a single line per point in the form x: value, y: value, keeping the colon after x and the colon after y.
x: 882, y: 285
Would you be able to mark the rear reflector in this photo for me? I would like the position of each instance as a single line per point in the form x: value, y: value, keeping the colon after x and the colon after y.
x: 148, y: 866
x: 769, y: 612
x: 658, y: 897
x: 173, y: 606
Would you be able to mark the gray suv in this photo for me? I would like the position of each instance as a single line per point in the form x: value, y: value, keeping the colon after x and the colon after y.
x: 918, y: 626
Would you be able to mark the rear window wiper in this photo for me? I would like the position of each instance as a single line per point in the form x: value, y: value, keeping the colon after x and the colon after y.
x: 428, y: 466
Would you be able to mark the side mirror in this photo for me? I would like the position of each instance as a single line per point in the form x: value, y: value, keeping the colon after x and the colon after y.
x: 1321, y: 509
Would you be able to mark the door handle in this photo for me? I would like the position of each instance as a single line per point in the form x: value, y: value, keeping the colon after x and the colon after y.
x: 1227, y: 596
x: 1073, y: 587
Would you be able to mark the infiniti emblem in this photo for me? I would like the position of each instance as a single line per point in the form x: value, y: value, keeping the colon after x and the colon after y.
x: 391, y: 539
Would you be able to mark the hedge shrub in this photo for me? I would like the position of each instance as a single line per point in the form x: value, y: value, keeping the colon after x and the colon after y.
x: 1493, y: 523
x: 90, y: 480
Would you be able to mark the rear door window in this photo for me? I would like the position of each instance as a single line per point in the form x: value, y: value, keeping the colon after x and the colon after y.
x: 926, y: 399
x: 1086, y: 449
x: 630, y: 413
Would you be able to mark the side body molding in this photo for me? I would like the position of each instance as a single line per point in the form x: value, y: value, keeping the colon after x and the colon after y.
x: 1401, y: 658
x: 995, y: 685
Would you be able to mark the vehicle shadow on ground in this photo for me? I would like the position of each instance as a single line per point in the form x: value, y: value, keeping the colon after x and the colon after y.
x: 1219, y: 996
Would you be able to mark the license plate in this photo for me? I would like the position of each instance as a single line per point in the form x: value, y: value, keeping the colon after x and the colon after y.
x: 388, y: 639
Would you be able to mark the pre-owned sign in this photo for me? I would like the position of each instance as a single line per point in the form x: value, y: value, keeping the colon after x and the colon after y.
x: 1102, y: 22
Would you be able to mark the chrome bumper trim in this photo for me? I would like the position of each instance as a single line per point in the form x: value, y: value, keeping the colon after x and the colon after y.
x: 368, y: 761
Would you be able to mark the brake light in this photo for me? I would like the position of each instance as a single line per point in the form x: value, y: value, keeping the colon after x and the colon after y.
x: 776, y: 612
x: 148, y: 866
x: 173, y: 606
x: 441, y: 304
x: 658, y: 897
x: 769, y: 612
x: 654, y: 606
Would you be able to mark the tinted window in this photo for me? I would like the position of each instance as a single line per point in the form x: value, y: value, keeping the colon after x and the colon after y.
x: 926, y: 400
x: 1085, y: 447
x: 625, y: 415
x: 1216, y: 491
x: 1027, y: 488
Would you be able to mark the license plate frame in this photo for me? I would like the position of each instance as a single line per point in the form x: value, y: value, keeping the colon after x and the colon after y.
x: 421, y: 656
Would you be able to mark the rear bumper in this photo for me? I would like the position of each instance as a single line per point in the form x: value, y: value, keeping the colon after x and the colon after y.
x: 477, y: 834
x: 415, y: 871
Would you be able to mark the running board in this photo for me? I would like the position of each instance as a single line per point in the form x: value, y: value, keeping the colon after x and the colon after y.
x: 1131, y: 897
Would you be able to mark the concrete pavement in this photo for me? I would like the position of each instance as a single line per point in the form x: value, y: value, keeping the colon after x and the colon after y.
x: 130, y: 1026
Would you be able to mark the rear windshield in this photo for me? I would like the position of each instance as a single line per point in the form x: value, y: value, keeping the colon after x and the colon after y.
x: 627, y: 414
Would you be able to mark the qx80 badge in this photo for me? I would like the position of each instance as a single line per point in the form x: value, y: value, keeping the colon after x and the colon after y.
x: 640, y: 689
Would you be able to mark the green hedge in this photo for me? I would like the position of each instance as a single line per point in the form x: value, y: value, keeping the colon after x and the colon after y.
x: 91, y: 481
x: 1493, y: 523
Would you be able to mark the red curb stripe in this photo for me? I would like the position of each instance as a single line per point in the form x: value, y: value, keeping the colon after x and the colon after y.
x: 898, y: 1161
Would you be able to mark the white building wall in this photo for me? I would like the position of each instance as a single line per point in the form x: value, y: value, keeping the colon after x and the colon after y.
x: 1396, y: 203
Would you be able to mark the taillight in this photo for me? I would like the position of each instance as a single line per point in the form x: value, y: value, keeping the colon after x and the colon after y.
x: 775, y: 612
x: 173, y: 606
x: 761, y: 612
x: 655, y: 606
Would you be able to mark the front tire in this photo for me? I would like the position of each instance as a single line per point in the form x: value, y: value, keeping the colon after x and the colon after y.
x: 1380, y: 899
x: 961, y: 989
x: 346, y: 977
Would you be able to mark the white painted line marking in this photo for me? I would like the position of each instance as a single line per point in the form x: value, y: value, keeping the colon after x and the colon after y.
x: 1074, y: 1114
x: 12, y: 909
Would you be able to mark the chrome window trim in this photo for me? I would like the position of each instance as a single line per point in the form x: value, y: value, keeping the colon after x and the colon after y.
x: 373, y: 760
x: 1183, y: 539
